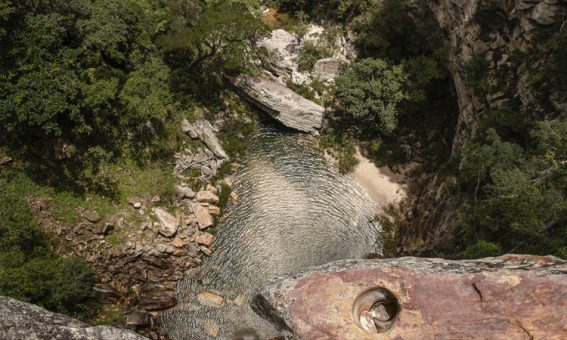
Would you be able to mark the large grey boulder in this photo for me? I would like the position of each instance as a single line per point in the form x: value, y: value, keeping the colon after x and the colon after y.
x: 285, y: 46
x: 328, y: 69
x: 22, y: 321
x: 203, y: 130
x: 167, y: 222
x: 284, y: 105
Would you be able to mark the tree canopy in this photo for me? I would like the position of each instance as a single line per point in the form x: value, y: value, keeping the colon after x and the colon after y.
x: 370, y: 91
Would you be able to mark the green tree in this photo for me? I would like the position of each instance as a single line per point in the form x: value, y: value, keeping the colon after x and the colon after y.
x: 370, y: 91
x: 220, y: 38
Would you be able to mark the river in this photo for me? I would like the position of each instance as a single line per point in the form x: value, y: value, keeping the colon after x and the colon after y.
x: 294, y: 211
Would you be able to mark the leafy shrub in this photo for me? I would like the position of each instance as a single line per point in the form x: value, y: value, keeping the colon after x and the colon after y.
x: 482, y: 249
x: 341, y: 148
x: 370, y: 91
x: 310, y: 53
x: 476, y: 74
x: 224, y: 197
x: 386, y: 31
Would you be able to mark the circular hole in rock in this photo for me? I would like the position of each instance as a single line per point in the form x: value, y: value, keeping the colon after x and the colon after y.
x: 376, y: 310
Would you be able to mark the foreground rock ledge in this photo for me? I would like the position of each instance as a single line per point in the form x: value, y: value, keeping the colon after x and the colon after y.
x: 19, y: 320
x: 510, y: 297
x: 284, y: 105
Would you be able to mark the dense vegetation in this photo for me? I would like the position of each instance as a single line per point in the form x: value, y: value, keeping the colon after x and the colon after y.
x: 29, y: 269
x: 400, y: 82
x: 92, y: 92
x: 397, y: 99
x: 519, y: 202
x: 515, y: 171
x: 91, y: 96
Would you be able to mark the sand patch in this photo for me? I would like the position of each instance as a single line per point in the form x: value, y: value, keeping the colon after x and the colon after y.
x: 383, y: 185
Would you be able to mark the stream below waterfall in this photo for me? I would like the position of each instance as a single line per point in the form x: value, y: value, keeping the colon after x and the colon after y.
x: 294, y: 211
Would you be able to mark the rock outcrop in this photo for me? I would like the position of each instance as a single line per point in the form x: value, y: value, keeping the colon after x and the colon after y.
x: 510, y: 297
x: 511, y: 29
x: 203, y: 130
x: 328, y: 69
x: 514, y: 28
x: 167, y: 222
x: 286, y: 47
x: 20, y: 320
x: 284, y: 105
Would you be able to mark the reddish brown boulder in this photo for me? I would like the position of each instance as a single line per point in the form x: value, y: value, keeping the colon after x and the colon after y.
x: 510, y: 297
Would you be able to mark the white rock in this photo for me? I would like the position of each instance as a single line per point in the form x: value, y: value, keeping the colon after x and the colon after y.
x: 544, y: 14
x: 167, y: 222
x: 286, y: 47
x: 204, y: 218
x: 281, y: 103
x: 205, y: 239
x: 328, y: 69
x: 184, y: 192
x: 211, y: 299
x: 207, y: 197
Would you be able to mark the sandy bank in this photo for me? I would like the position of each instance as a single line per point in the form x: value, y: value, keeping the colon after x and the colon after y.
x: 383, y: 185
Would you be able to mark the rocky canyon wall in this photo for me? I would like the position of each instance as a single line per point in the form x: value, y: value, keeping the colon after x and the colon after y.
x: 500, y: 35
x: 495, y: 30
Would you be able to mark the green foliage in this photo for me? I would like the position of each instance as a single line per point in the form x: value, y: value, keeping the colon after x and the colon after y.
x: 85, y: 74
x: 342, y: 10
x: 234, y: 137
x: 420, y: 71
x: 508, y: 123
x: 224, y: 197
x: 423, y: 104
x: 476, y: 74
x: 551, y: 140
x: 387, y: 31
x: 482, y: 249
x: 480, y: 159
x: 555, y: 65
x: 341, y: 148
x: 310, y: 53
x: 219, y: 38
x: 29, y: 270
x: 370, y: 91
x: 111, y: 317
x: 519, y: 196
x: 113, y: 240
x: 317, y: 91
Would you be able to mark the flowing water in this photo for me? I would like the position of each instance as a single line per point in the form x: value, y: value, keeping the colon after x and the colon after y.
x: 294, y: 211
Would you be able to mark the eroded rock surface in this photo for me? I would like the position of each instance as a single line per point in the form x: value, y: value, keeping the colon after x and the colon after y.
x: 281, y: 103
x: 510, y: 297
x: 20, y: 320
x: 203, y: 130
x: 328, y: 69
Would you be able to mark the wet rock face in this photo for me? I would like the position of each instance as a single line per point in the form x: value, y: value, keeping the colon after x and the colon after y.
x: 284, y: 105
x: 19, y: 320
x: 510, y: 297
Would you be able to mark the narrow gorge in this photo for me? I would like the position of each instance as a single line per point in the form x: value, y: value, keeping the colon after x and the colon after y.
x: 339, y: 169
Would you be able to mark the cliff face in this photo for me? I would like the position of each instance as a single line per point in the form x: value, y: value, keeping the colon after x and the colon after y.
x: 499, y: 34
x: 511, y: 297
x: 495, y: 30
